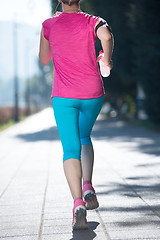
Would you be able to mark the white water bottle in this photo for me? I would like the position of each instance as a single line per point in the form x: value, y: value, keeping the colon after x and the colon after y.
x: 104, y: 69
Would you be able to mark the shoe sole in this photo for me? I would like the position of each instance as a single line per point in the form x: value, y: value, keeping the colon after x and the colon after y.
x: 91, y: 200
x: 80, y: 219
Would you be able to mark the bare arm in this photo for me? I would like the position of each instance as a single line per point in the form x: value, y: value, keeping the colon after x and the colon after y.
x: 44, y: 50
x: 107, y: 42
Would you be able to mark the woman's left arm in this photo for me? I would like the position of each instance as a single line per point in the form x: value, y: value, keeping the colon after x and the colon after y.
x: 44, y: 50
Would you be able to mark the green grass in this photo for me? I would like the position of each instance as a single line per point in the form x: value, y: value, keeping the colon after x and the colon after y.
x: 10, y: 123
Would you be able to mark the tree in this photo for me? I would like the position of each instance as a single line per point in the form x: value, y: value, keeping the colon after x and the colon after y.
x: 121, y: 85
x: 147, y: 54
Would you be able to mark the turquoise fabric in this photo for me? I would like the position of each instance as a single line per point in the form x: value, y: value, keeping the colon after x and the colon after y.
x: 75, y: 119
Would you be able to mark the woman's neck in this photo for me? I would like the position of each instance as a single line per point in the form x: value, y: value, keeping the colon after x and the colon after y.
x: 70, y: 9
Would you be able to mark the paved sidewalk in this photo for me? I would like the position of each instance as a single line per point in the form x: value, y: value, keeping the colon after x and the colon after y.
x: 35, y: 202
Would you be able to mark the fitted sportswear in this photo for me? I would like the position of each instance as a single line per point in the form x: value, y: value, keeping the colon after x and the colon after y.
x: 72, y: 42
x: 75, y: 119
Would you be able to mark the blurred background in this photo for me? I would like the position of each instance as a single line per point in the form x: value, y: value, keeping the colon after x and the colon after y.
x: 132, y: 89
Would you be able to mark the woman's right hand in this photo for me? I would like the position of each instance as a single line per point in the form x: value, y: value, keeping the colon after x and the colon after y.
x: 110, y: 65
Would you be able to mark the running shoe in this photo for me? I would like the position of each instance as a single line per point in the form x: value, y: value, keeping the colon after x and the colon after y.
x: 79, y: 215
x: 90, y: 198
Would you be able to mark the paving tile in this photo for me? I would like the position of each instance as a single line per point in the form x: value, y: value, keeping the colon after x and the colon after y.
x: 135, y: 234
x: 24, y: 230
x: 126, y: 178
x: 19, y: 237
x: 77, y: 235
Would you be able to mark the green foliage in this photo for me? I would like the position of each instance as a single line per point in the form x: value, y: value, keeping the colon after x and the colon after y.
x: 121, y: 82
x: 147, y: 54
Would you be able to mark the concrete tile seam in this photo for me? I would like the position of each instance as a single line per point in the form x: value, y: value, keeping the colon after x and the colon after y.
x: 133, y: 190
x: 138, y: 195
x: 17, y: 215
x: 15, y: 173
x: 44, y: 201
x: 13, y: 176
x: 15, y: 236
x: 136, y: 239
x: 60, y: 218
x: 103, y: 225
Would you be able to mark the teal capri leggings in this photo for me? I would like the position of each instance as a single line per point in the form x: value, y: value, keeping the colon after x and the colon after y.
x: 75, y: 119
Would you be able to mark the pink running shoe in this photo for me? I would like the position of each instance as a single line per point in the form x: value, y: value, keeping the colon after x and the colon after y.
x: 90, y: 198
x: 79, y: 215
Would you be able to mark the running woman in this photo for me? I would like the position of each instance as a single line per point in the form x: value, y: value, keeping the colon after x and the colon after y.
x: 77, y: 94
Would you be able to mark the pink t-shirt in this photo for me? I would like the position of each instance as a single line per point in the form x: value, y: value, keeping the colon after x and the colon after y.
x: 72, y: 42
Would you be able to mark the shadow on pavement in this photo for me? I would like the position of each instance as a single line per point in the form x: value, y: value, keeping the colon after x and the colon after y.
x: 141, y: 139
x: 138, y: 209
x: 124, y: 190
x: 132, y: 215
x: 110, y: 130
x: 50, y: 134
x: 88, y: 234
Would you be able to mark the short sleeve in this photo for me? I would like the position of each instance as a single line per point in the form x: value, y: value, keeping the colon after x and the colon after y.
x: 45, y: 26
x: 94, y: 19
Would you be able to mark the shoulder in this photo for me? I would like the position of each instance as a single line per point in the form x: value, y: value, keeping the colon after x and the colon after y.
x: 87, y: 15
x: 52, y: 19
x: 47, y: 22
x: 94, y: 19
x: 100, y: 19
